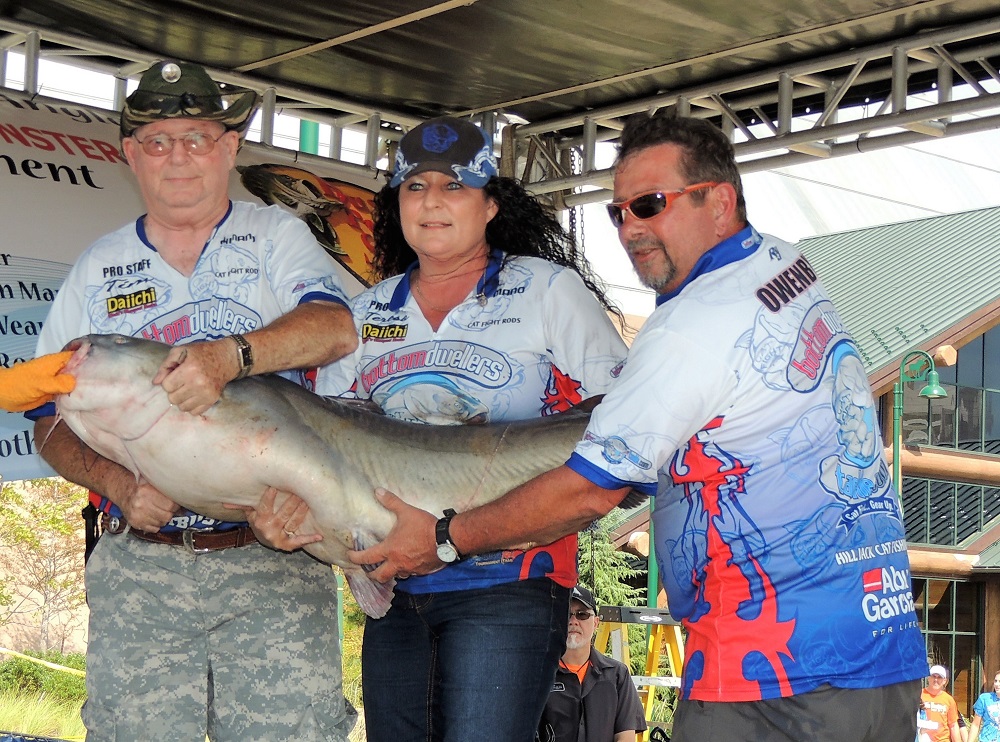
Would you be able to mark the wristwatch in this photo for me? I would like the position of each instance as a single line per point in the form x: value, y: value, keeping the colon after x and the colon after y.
x: 446, y: 550
x: 244, y: 354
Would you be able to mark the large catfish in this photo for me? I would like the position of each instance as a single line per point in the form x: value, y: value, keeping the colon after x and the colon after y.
x: 266, y: 431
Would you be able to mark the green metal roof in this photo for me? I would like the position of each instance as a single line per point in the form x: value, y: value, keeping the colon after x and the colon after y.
x: 989, y: 558
x: 897, y: 286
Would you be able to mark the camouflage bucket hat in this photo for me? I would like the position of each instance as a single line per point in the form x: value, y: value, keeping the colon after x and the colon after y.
x: 171, y: 89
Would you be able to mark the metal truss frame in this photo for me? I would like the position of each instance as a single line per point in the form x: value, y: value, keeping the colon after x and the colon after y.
x: 789, y: 115
x: 777, y: 117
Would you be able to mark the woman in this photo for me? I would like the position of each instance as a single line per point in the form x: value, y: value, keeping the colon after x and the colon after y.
x: 985, y: 725
x: 485, y: 312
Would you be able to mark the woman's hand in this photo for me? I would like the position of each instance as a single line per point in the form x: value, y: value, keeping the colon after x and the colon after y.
x: 276, y: 527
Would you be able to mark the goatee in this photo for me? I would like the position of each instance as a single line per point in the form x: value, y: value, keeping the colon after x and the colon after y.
x: 654, y: 277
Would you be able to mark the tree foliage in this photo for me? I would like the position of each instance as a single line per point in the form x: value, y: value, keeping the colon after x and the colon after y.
x: 18, y: 675
x: 607, y: 571
x: 41, y: 556
x: 613, y: 580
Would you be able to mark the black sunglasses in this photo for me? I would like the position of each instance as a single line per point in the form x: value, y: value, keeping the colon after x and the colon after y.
x: 648, y: 205
x: 581, y: 615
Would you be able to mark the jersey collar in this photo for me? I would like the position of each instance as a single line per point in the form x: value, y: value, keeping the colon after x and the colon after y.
x: 741, y: 245
x: 488, y: 284
x: 140, y: 229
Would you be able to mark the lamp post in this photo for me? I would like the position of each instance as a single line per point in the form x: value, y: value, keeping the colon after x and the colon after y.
x: 652, y: 568
x: 916, y: 365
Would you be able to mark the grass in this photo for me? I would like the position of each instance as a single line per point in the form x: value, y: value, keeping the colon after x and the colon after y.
x: 354, y: 627
x: 35, y: 713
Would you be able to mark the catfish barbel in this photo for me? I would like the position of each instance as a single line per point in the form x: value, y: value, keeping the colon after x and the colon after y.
x: 268, y: 432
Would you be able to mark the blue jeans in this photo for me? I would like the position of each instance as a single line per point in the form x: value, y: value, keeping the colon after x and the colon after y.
x: 464, y: 666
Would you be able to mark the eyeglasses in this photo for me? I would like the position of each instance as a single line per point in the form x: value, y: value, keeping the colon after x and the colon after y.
x: 581, y: 615
x: 194, y: 143
x: 648, y: 205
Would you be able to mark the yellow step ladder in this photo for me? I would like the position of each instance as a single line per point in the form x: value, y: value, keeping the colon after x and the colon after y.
x: 664, y: 638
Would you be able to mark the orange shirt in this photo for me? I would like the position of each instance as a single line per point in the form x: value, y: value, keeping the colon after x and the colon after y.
x: 579, y: 670
x: 940, y: 710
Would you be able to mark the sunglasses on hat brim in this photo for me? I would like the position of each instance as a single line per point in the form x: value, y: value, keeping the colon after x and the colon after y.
x: 647, y: 205
x: 233, y: 109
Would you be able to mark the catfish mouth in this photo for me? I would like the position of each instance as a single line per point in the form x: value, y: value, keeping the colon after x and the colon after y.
x: 81, y: 350
x: 96, y: 379
x: 85, y: 346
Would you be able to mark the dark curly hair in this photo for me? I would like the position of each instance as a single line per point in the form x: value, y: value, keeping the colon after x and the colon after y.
x: 522, y: 226
x: 708, y: 155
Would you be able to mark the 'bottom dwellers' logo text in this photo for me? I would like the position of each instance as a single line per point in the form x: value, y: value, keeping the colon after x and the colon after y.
x: 887, y: 593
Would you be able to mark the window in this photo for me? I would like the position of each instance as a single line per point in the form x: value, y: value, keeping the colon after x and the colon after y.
x: 941, y: 513
x: 948, y: 612
x: 969, y: 417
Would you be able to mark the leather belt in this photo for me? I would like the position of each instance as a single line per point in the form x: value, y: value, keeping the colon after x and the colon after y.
x: 197, y: 541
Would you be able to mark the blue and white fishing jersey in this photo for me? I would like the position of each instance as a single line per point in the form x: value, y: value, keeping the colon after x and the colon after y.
x: 745, y: 408
x: 529, y: 341
x: 987, y: 708
x: 260, y: 263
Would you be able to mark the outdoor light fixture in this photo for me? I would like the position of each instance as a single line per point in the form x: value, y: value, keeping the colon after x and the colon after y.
x: 916, y: 365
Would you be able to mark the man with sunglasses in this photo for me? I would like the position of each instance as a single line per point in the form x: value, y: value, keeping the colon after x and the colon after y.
x: 745, y: 409
x: 195, y: 628
x: 593, y: 698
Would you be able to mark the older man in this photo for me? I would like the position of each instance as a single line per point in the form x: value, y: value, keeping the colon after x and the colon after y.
x: 744, y: 407
x: 593, y: 698
x: 195, y: 628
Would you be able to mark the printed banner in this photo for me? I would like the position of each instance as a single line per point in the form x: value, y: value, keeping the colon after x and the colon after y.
x: 65, y: 183
x: 27, y: 288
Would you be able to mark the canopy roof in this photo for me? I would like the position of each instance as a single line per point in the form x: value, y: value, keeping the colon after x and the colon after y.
x: 567, y: 69
x: 915, y: 284
x: 537, y: 60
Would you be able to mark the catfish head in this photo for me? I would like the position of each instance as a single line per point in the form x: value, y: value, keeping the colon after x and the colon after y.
x: 114, y: 399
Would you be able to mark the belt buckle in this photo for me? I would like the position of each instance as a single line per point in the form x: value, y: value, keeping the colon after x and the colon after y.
x: 187, y: 537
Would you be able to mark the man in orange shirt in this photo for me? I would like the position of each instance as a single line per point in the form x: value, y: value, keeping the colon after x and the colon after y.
x: 939, y: 720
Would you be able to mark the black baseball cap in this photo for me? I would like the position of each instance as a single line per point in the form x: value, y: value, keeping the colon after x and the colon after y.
x: 447, y: 145
x: 584, y: 596
x: 174, y: 89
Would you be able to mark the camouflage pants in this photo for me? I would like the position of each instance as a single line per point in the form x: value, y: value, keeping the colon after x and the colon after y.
x: 239, y: 644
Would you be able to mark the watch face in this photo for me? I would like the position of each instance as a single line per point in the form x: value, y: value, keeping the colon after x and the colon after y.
x: 447, y: 553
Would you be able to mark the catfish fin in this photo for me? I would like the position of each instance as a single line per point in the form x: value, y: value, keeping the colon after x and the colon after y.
x: 633, y: 500
x: 587, y: 405
x: 362, y: 405
x: 374, y: 598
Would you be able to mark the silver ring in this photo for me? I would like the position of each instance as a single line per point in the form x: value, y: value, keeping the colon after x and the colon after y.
x: 290, y: 534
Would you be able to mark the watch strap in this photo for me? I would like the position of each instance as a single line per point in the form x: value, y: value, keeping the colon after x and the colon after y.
x: 244, y: 354
x: 442, y: 533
